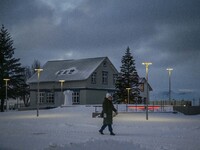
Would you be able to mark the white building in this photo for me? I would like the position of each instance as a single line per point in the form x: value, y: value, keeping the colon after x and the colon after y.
x: 86, y: 81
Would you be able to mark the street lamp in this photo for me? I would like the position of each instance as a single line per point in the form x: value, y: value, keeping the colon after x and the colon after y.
x: 169, y: 72
x: 6, y: 80
x: 61, y: 84
x: 38, y: 92
x: 147, y: 99
x: 128, y: 89
x: 61, y: 88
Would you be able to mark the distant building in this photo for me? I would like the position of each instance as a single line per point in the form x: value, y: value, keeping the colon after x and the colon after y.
x: 144, y: 88
x: 86, y: 81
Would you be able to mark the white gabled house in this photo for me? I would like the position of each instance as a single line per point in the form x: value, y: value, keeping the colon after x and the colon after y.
x: 86, y: 82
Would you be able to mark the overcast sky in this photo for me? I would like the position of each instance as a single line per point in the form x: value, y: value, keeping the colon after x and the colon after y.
x: 164, y: 32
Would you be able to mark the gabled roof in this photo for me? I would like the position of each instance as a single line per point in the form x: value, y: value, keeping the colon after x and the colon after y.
x: 142, y: 80
x: 68, y: 70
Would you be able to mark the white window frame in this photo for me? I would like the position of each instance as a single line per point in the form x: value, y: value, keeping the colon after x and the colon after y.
x: 94, y: 78
x: 105, y: 77
x: 76, y: 97
x: 50, y: 98
x: 41, y: 97
x: 114, y: 78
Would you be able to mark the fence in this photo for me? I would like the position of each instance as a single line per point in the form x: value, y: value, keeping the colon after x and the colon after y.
x: 138, y: 108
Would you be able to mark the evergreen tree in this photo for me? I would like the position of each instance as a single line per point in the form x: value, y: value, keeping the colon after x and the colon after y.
x: 9, y: 68
x: 127, y: 78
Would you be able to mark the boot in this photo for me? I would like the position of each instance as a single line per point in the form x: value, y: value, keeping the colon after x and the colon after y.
x: 112, y: 133
x: 101, y: 132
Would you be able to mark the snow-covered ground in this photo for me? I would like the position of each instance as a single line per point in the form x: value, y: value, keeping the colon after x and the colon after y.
x: 73, y: 128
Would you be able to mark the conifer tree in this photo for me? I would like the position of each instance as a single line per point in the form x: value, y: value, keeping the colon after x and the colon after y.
x: 10, y: 68
x: 127, y: 78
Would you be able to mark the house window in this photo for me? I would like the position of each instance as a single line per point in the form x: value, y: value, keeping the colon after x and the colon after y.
x: 50, y: 98
x: 104, y: 77
x: 41, y: 97
x: 75, y: 98
x: 114, y: 78
x: 93, y: 78
x: 141, y: 87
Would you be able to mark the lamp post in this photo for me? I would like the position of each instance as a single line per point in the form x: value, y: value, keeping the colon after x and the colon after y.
x: 61, y: 89
x: 61, y: 84
x: 147, y: 99
x: 169, y: 72
x: 128, y: 89
x: 38, y: 91
x: 6, y: 80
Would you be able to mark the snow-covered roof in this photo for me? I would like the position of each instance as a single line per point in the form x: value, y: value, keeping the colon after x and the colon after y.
x: 68, y: 70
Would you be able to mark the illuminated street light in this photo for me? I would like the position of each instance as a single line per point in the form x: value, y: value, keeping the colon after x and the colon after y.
x: 128, y: 89
x: 38, y: 91
x: 61, y: 88
x: 147, y: 99
x: 169, y: 72
x: 6, y: 80
x: 61, y: 84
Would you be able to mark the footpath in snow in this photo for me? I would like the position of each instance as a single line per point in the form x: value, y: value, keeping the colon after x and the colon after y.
x: 73, y: 128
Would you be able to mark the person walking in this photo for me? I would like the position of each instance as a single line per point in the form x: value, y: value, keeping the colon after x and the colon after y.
x: 107, y: 114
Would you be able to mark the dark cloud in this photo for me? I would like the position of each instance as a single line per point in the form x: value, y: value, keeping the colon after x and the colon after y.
x: 164, y: 32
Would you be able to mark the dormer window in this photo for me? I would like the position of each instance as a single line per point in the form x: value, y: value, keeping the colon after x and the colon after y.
x: 69, y: 71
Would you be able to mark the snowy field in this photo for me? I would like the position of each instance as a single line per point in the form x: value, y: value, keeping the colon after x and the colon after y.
x: 73, y: 128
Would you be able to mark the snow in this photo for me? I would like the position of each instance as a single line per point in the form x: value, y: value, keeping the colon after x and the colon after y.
x: 73, y: 128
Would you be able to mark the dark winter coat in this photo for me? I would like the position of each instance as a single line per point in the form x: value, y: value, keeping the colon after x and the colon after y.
x: 108, y: 109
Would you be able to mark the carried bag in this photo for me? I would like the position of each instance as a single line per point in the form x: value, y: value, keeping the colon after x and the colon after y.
x: 103, y: 115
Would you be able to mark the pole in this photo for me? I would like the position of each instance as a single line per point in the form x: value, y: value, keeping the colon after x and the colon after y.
x: 6, y: 80
x: 128, y: 98
x: 61, y: 84
x: 38, y: 91
x: 169, y: 72
x: 6, y: 96
x: 147, y: 99
x: 61, y: 89
x: 128, y: 89
x: 38, y: 96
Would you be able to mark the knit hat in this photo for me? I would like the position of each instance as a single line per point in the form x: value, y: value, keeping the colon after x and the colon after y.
x: 108, y: 95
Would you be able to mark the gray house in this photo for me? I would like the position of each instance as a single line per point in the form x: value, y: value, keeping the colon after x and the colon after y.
x: 66, y: 82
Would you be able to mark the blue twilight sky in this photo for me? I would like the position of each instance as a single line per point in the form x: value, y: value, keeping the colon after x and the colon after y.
x: 164, y: 32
